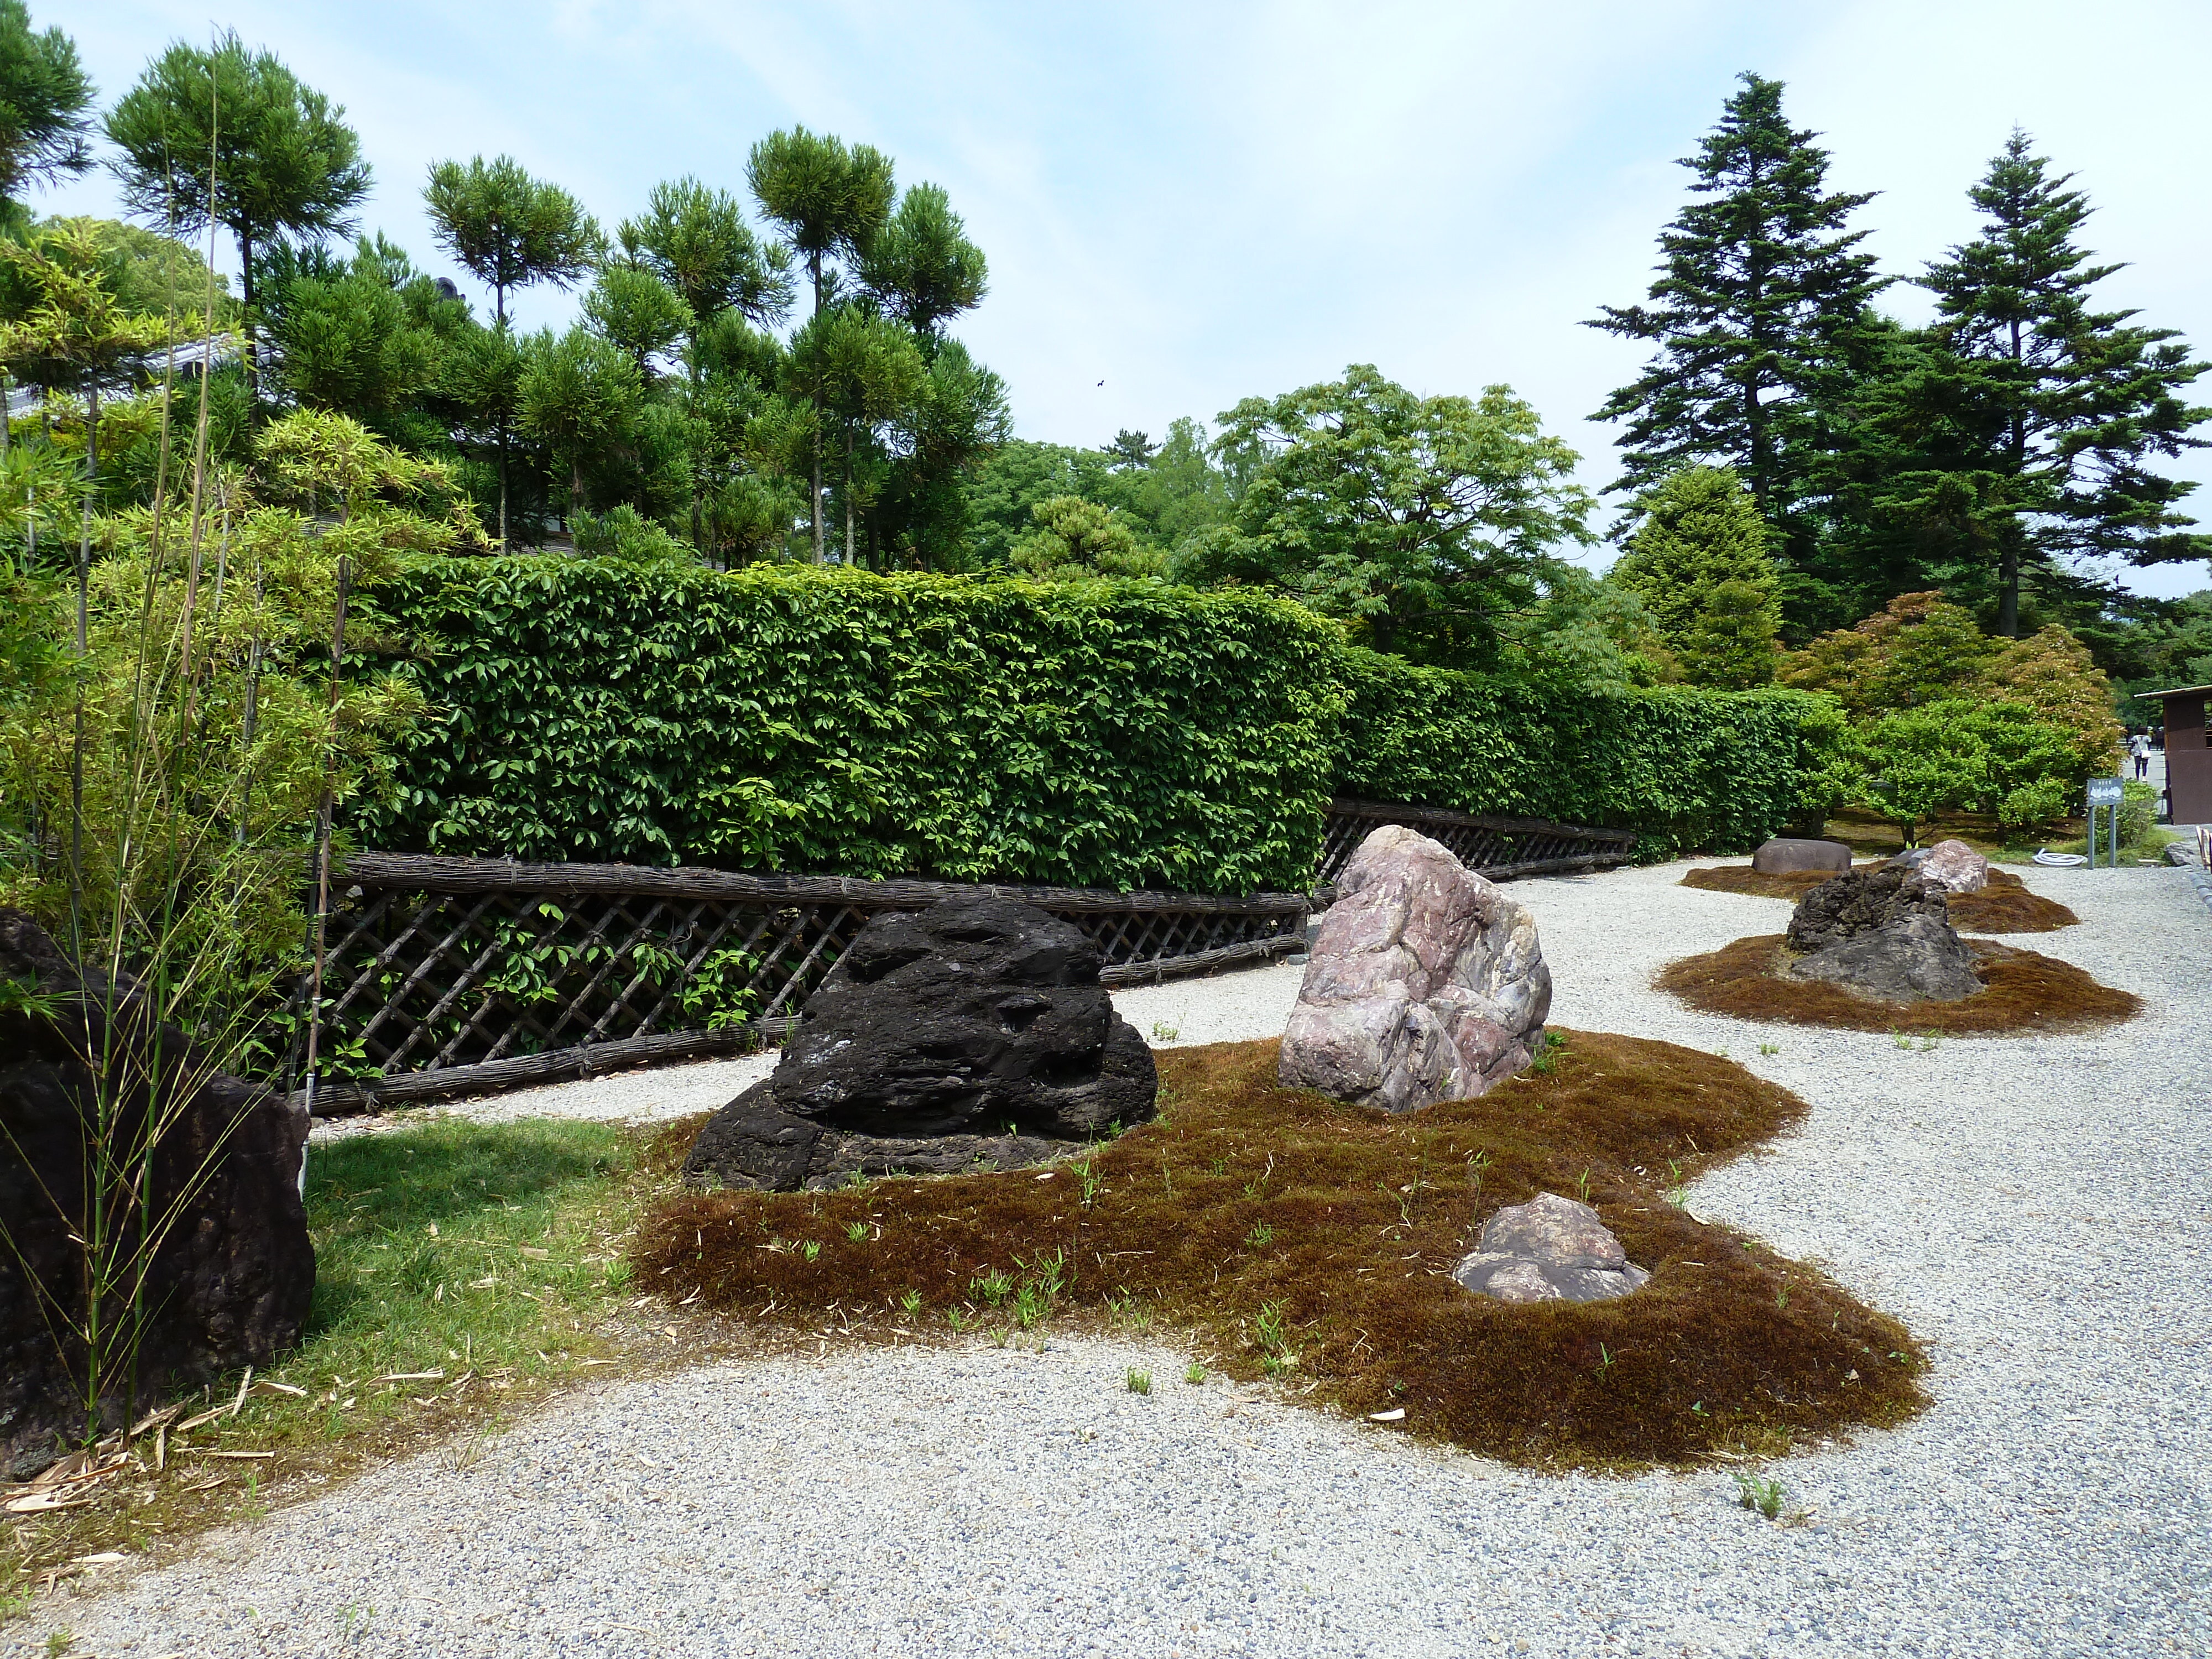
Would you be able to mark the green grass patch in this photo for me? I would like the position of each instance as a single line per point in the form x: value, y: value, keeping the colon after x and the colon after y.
x: 462, y: 1269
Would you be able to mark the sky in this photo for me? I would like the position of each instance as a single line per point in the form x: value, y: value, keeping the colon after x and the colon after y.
x: 1186, y: 204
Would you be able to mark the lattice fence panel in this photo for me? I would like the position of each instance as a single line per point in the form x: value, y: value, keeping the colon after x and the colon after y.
x: 1498, y: 846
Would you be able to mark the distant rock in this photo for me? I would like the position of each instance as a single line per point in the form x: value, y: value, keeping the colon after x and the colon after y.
x: 1424, y: 983
x: 1957, y: 865
x: 1785, y: 856
x: 229, y: 1285
x: 974, y: 1034
x: 1549, y: 1249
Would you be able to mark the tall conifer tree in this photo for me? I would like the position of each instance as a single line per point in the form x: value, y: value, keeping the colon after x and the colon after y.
x: 2022, y: 435
x: 1758, y: 316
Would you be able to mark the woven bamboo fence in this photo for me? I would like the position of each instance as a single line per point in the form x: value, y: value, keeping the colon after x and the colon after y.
x: 451, y: 976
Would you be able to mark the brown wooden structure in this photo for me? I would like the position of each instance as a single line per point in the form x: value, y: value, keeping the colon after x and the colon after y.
x: 2188, y: 760
x: 451, y: 976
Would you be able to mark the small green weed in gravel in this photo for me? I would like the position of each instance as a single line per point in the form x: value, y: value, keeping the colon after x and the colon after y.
x: 1756, y: 1493
x: 1163, y: 1032
x: 1770, y: 1048
x: 910, y: 1302
x: 1195, y: 1374
x: 1139, y: 1381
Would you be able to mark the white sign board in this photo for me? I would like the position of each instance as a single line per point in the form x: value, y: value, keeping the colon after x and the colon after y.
x: 2106, y: 791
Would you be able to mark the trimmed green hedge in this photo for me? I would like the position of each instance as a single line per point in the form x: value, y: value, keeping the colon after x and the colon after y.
x: 1099, y: 734
x: 1108, y: 734
x: 1686, y: 769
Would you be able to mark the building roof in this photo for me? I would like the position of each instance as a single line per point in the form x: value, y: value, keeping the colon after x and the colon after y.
x: 2180, y: 691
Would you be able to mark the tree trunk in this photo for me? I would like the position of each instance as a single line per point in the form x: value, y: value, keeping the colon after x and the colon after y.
x: 499, y: 307
x: 246, y: 285
x: 814, y: 265
x: 848, y: 495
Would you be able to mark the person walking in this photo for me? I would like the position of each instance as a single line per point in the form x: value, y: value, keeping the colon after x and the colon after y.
x: 2139, y: 746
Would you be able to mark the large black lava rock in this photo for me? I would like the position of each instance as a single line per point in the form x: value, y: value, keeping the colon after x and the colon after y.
x: 1886, y: 933
x: 229, y: 1271
x: 975, y: 1033
x: 1861, y: 901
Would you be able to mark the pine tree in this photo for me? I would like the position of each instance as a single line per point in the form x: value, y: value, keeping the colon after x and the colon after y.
x: 2022, y: 436
x: 510, y: 230
x: 46, y: 107
x: 1698, y: 560
x: 231, y: 135
x: 1760, y: 317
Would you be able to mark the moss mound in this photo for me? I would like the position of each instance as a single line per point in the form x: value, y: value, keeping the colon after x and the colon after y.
x: 1313, y: 1241
x: 2005, y: 906
x: 2025, y: 992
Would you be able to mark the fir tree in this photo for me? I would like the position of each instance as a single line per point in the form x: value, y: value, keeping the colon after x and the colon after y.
x: 1698, y: 560
x: 2021, y: 436
x: 1760, y: 318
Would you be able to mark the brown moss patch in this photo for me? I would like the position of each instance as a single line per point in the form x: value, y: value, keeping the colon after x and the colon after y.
x: 2005, y: 906
x: 1297, y: 1237
x: 2025, y: 992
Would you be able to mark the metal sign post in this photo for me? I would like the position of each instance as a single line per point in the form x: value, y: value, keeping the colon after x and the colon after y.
x: 2108, y: 793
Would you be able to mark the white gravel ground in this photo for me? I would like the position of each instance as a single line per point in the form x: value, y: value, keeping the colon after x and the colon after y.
x: 2040, y: 1208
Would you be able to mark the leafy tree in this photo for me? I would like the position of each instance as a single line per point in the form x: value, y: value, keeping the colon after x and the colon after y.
x: 150, y: 272
x: 346, y: 339
x: 46, y: 107
x: 1074, y: 538
x: 509, y: 230
x: 1922, y: 650
x: 1002, y: 494
x: 696, y: 241
x: 638, y: 311
x: 1732, y: 643
x: 228, y: 136
x: 1997, y: 758
x: 920, y: 267
x: 2023, y: 430
x: 866, y: 372
x: 578, y: 393
x: 832, y: 202
x: 1591, y: 632
x: 1760, y: 320
x: 1423, y: 521
x: 1698, y: 560
x: 958, y: 419
x: 1918, y: 650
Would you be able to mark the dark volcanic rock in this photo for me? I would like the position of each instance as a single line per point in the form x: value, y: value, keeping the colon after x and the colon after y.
x: 1915, y: 958
x: 1862, y: 900
x: 973, y: 1032
x: 228, y: 1282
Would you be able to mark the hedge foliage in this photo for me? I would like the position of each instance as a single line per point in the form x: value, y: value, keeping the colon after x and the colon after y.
x: 1094, y: 734
x: 1686, y: 769
x: 1110, y: 734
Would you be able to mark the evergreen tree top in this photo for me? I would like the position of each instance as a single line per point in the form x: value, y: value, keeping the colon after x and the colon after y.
x: 1756, y: 311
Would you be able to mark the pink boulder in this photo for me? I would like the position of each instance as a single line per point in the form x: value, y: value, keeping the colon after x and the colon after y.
x: 1953, y: 863
x: 1425, y: 982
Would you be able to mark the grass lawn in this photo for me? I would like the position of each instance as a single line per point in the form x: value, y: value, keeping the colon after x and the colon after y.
x: 463, y: 1271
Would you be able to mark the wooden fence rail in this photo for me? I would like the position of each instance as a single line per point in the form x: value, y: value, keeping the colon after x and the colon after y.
x: 450, y: 975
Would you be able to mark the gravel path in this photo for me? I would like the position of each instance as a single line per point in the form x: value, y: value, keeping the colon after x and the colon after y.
x: 2040, y: 1208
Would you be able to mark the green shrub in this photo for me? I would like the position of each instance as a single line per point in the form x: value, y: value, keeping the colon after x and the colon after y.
x: 1715, y: 771
x: 1115, y: 734
x: 2139, y: 815
x: 1993, y: 757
